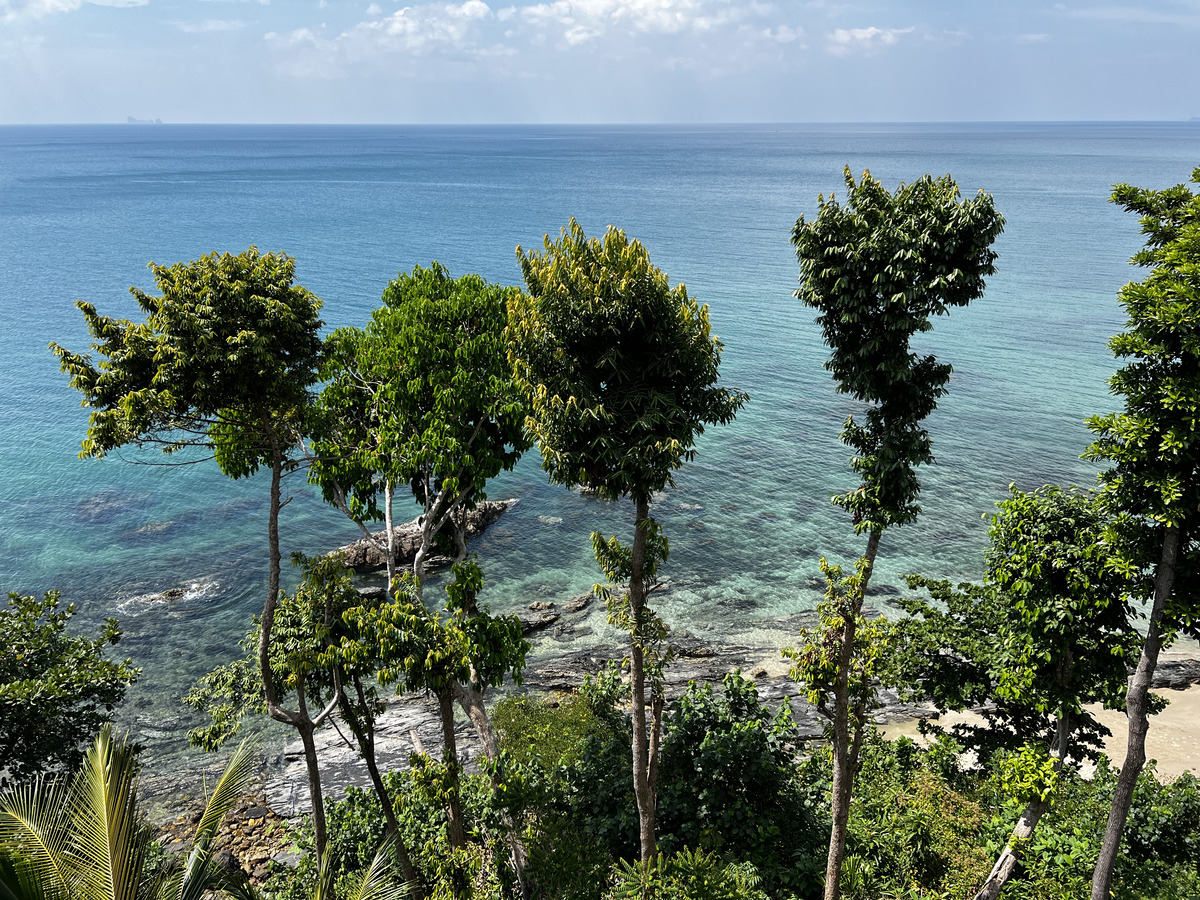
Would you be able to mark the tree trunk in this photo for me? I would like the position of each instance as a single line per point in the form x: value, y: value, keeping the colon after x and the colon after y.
x: 1137, y: 702
x: 268, y: 614
x: 391, y: 537
x: 1026, y: 824
x: 642, y: 789
x: 843, y: 770
x: 847, y: 738
x: 305, y: 726
x: 364, y: 735
x: 450, y: 759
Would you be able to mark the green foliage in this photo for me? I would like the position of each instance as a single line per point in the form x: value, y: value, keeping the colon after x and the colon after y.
x: 418, y: 649
x: 224, y: 359
x: 912, y: 829
x: 1028, y: 776
x: 1046, y: 633
x: 357, y: 830
x: 56, y: 688
x: 1153, y: 444
x: 620, y: 368
x: 310, y: 625
x: 877, y: 268
x: 686, y: 875
x: 728, y: 784
x: 85, y: 838
x: 424, y: 396
x: 818, y: 660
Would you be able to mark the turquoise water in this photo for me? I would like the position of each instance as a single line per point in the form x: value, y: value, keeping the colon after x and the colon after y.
x: 82, y: 210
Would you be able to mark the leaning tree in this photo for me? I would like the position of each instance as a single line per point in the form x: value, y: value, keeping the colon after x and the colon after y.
x: 877, y: 268
x: 1154, y: 447
x: 620, y: 370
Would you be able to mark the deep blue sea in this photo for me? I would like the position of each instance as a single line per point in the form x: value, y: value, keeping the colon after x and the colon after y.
x: 83, y: 209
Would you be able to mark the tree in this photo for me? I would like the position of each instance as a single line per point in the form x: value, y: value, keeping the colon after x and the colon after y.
x: 85, y: 838
x: 423, y: 396
x: 1153, y: 445
x: 56, y: 688
x: 225, y: 360
x: 620, y: 370
x: 877, y: 269
x: 1066, y: 635
x: 416, y: 649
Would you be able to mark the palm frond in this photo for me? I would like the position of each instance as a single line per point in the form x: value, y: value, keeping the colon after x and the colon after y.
x: 234, y: 781
x: 380, y: 881
x: 110, y: 841
x: 33, y: 838
x: 199, y: 872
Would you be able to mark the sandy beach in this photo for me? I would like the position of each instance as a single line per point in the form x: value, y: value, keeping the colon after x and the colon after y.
x: 1173, y: 740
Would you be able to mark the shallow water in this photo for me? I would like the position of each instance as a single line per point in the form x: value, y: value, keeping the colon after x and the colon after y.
x: 83, y: 209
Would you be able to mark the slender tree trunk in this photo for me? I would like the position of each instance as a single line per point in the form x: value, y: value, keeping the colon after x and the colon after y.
x: 1137, y: 710
x: 268, y: 614
x: 364, y: 735
x: 1025, y: 826
x: 391, y: 537
x: 450, y: 758
x: 847, y: 735
x: 304, y: 725
x: 843, y: 770
x: 642, y: 788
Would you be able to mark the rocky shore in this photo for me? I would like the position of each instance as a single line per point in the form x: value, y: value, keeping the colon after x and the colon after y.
x: 367, y: 555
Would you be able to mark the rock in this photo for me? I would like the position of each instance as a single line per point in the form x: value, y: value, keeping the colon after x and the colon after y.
x: 538, y: 622
x: 539, y: 605
x: 579, y: 604
x: 365, y: 555
x: 1177, y: 674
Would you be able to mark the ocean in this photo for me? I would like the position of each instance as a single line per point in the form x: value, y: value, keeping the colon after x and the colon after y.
x: 83, y: 209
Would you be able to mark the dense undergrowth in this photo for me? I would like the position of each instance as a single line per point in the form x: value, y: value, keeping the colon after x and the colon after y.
x: 743, y: 815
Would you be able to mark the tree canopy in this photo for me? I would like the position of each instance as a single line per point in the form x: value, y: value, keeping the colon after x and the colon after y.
x: 56, y: 688
x: 226, y: 355
x: 877, y: 268
x: 620, y: 368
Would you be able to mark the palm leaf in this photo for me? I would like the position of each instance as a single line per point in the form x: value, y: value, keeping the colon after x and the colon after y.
x: 33, y: 839
x: 110, y: 841
x: 200, y: 873
x: 380, y: 882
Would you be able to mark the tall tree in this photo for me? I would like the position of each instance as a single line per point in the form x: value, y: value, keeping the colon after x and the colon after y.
x: 225, y: 360
x: 620, y: 370
x: 1153, y: 445
x: 56, y: 688
x: 423, y: 397
x: 877, y: 268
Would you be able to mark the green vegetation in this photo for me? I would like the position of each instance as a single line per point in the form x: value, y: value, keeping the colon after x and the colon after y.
x: 620, y: 371
x: 614, y: 374
x: 56, y: 688
x: 877, y: 268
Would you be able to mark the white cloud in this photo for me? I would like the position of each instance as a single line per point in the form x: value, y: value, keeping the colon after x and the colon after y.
x: 846, y: 41
x: 704, y: 35
x: 119, y: 4
x: 210, y: 25
x: 1032, y: 38
x: 13, y: 10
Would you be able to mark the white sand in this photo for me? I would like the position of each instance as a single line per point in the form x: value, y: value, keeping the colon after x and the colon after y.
x: 1173, y: 739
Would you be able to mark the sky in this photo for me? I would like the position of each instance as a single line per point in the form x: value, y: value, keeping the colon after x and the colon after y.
x: 597, y: 61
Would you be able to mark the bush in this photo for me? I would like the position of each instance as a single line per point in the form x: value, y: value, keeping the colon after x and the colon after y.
x: 685, y: 875
x: 56, y: 688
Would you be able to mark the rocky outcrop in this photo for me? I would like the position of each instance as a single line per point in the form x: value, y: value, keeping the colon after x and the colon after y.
x: 367, y: 555
x: 250, y: 838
